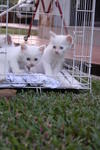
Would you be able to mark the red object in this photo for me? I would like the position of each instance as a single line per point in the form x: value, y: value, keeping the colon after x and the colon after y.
x: 44, y: 10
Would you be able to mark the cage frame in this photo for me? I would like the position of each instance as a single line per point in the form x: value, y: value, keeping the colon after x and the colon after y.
x: 79, y: 31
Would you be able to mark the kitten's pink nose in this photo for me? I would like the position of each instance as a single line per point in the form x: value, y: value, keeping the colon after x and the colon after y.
x: 56, y: 52
x: 31, y: 65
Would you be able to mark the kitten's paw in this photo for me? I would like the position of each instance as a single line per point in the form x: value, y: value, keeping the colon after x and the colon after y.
x: 50, y: 74
x: 33, y: 70
x: 19, y: 72
x: 2, y: 78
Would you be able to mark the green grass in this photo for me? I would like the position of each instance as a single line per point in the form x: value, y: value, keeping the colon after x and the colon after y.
x: 51, y: 120
x: 18, y: 31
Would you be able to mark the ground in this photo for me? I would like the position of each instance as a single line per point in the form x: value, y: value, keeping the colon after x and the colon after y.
x: 51, y: 120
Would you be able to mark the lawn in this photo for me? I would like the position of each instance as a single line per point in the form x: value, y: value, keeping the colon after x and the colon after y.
x: 18, y: 31
x: 51, y: 120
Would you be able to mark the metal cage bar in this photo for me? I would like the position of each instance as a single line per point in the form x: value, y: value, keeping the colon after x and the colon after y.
x: 56, y: 16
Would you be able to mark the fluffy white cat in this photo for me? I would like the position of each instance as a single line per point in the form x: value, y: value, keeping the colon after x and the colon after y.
x: 53, y: 56
x: 31, y: 56
x: 18, y: 59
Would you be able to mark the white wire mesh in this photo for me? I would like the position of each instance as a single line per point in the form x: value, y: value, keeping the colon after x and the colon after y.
x: 75, y: 17
x: 85, y: 11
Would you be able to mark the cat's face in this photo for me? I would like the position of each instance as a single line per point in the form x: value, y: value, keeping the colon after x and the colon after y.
x: 60, y: 43
x: 31, y: 55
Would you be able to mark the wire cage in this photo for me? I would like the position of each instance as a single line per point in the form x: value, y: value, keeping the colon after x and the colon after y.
x: 31, y: 20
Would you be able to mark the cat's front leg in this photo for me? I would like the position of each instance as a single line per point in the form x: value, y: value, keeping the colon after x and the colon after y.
x: 56, y: 70
x: 33, y: 70
x: 15, y: 68
x: 2, y: 72
x: 47, y: 69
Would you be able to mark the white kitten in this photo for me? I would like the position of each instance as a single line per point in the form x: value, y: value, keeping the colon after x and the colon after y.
x: 53, y: 56
x: 31, y: 57
x: 18, y: 59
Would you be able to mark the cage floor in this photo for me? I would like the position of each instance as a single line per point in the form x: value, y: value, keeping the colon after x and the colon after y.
x: 63, y: 81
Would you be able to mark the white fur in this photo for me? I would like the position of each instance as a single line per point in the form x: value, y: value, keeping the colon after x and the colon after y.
x: 34, y: 53
x: 18, y: 59
x: 53, y: 56
x: 5, y: 41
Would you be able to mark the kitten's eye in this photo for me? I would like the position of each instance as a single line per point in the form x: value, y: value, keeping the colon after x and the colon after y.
x: 36, y: 59
x: 54, y: 47
x: 28, y: 59
x: 61, y: 47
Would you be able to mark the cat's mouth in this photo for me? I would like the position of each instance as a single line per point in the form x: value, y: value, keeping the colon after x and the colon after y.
x: 30, y: 66
x: 56, y: 52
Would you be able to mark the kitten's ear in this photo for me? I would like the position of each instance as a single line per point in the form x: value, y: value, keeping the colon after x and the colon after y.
x: 23, y: 47
x: 9, y: 39
x: 52, y: 34
x: 69, y: 39
x: 41, y: 48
